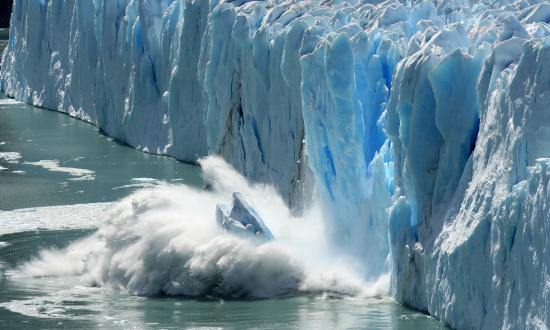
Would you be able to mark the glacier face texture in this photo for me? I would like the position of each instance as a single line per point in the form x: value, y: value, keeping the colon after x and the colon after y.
x: 423, y: 127
x: 247, y: 80
x: 469, y: 126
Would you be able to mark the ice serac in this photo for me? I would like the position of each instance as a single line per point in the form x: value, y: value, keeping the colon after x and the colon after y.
x: 468, y: 119
x: 422, y: 127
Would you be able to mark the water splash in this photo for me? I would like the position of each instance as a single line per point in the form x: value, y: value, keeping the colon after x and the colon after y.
x: 164, y: 240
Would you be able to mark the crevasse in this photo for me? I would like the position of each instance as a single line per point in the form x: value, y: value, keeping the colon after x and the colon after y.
x: 422, y: 126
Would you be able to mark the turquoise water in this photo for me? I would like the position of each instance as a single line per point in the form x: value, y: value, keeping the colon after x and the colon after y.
x: 37, y: 135
x: 51, y: 159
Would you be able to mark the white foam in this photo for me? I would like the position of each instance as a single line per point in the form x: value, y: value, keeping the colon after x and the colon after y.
x: 78, y: 174
x: 144, y: 180
x: 78, y: 216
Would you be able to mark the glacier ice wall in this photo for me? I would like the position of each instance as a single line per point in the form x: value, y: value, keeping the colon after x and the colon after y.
x: 257, y: 82
x: 422, y: 126
x: 468, y: 118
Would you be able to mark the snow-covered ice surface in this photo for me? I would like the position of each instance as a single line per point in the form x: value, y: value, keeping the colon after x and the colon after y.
x: 423, y: 127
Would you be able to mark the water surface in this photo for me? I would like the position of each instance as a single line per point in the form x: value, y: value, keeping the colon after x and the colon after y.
x: 91, y: 167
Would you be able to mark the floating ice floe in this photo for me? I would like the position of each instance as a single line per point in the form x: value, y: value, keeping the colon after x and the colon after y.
x: 78, y: 216
x: 10, y: 156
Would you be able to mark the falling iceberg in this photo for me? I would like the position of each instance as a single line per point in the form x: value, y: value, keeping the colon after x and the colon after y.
x: 242, y: 220
x: 422, y: 127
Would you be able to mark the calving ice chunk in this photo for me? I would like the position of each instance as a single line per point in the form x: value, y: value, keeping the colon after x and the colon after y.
x: 241, y: 219
x: 421, y: 127
x: 166, y: 240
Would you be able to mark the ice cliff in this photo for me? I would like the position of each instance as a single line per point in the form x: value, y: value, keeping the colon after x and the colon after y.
x: 423, y: 127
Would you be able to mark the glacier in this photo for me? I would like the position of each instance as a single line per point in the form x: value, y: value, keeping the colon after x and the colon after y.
x: 422, y: 127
